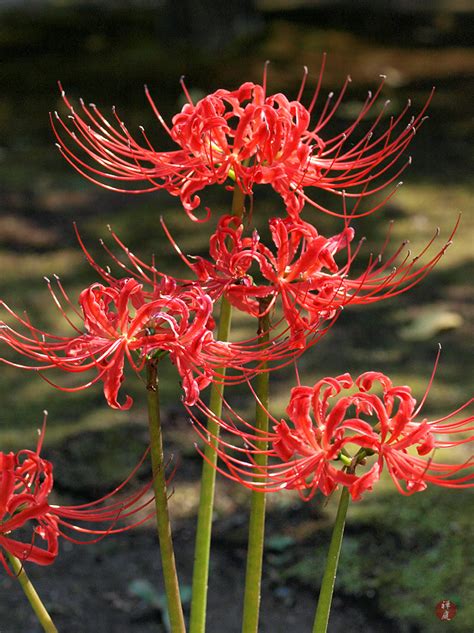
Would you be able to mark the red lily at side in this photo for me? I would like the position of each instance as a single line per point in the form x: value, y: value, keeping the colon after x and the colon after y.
x: 119, y: 322
x: 26, y: 484
x: 333, y: 429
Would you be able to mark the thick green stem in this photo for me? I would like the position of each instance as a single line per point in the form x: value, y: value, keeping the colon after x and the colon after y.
x: 175, y: 609
x: 208, y: 477
x: 206, y: 500
x: 30, y: 592
x: 253, y: 576
x: 329, y: 578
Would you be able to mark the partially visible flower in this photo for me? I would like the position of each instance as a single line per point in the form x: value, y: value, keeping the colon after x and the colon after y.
x: 26, y: 486
x: 333, y: 428
x: 245, y: 137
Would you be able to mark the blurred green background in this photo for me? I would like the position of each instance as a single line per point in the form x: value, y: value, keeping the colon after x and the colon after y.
x: 401, y: 556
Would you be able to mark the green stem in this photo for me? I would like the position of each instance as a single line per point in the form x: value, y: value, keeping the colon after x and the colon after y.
x: 208, y: 477
x: 30, y: 592
x: 175, y: 609
x: 253, y: 576
x: 329, y: 578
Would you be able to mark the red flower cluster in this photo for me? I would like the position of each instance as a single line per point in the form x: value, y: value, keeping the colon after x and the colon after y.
x: 26, y: 484
x: 254, y: 138
x: 333, y: 428
x: 123, y: 320
x: 247, y: 136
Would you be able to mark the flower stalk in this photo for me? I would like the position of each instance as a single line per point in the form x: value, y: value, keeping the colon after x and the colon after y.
x: 208, y: 476
x: 175, y: 609
x: 30, y: 592
x: 253, y: 576
x: 327, y: 587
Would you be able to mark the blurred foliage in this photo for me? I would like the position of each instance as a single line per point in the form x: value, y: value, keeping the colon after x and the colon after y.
x: 406, y: 555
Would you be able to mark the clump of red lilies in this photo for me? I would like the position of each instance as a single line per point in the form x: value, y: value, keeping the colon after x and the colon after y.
x: 340, y: 433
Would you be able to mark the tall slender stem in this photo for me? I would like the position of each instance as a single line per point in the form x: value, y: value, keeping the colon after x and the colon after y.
x: 253, y: 576
x: 175, y: 609
x: 30, y: 592
x: 327, y: 587
x: 208, y: 477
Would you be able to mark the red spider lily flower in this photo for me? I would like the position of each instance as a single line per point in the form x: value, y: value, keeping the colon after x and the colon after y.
x: 333, y: 428
x: 120, y: 323
x: 248, y: 137
x: 26, y: 484
x: 301, y: 270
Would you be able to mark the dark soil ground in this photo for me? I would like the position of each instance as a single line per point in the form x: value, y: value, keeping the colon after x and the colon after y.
x: 97, y: 590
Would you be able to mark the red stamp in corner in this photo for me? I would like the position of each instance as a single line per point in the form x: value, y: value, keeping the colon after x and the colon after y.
x: 445, y: 610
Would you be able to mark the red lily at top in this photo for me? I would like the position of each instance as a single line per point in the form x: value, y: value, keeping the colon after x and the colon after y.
x: 26, y: 483
x: 333, y: 430
x: 248, y: 137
